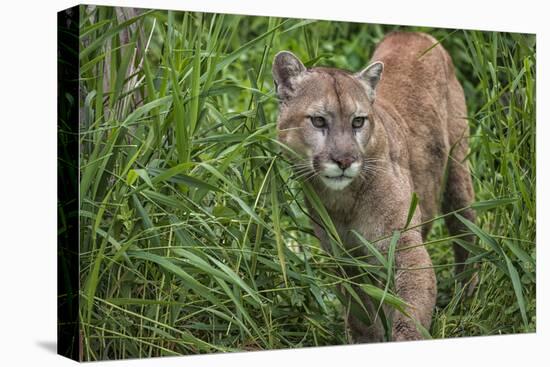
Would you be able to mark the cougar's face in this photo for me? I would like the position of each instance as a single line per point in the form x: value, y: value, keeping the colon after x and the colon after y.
x: 326, y: 118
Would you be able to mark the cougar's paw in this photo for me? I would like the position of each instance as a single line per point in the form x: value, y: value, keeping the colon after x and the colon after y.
x: 404, y: 330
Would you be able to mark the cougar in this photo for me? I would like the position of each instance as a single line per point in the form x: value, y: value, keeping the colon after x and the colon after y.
x: 367, y: 142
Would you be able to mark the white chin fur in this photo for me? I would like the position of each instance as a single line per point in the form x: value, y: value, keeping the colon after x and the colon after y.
x: 339, y: 183
x: 336, y: 183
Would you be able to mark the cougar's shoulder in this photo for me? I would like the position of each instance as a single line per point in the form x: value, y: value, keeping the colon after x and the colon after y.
x: 415, y: 65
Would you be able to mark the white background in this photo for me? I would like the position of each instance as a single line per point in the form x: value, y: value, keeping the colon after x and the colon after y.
x: 28, y: 181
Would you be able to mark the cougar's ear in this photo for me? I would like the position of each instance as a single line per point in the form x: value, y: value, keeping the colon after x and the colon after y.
x: 371, y: 75
x: 286, y: 69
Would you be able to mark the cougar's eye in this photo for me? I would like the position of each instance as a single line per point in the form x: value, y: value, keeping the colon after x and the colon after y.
x: 358, y: 122
x: 318, y: 121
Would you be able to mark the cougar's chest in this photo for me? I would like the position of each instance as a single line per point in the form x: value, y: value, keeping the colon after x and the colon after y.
x: 350, y: 212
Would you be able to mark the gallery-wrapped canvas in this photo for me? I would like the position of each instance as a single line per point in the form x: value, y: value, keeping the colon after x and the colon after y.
x: 244, y: 183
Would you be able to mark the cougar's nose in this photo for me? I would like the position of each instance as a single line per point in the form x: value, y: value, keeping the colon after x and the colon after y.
x: 343, y: 161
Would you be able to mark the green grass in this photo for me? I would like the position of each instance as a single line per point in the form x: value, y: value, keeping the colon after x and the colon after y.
x: 194, y: 237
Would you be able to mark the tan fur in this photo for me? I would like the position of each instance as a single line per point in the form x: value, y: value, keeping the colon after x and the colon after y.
x: 416, y: 126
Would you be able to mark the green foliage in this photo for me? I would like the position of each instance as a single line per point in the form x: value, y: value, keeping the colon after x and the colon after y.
x: 194, y: 238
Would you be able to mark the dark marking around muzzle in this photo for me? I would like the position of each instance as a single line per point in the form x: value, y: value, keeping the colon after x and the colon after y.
x: 343, y: 160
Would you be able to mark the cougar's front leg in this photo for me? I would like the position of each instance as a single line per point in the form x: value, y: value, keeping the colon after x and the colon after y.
x: 415, y: 284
